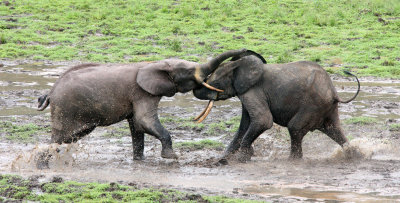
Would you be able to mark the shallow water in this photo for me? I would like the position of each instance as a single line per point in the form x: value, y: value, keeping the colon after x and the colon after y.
x: 313, y: 195
x: 323, y: 175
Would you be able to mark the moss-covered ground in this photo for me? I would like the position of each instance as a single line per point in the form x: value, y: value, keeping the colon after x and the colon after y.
x: 15, y: 188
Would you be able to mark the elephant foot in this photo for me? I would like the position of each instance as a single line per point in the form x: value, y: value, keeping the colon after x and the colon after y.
x: 244, y: 155
x: 295, y: 156
x: 222, y: 161
x: 168, y: 154
x: 139, y: 157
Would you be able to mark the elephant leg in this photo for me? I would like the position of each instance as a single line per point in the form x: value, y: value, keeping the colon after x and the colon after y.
x: 68, y: 133
x: 137, y: 141
x: 146, y: 118
x: 333, y: 129
x: 235, y: 143
x: 296, y: 139
x: 298, y: 127
x: 260, y: 120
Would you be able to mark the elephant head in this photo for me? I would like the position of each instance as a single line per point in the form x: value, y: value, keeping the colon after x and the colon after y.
x: 165, y: 79
x: 234, y: 77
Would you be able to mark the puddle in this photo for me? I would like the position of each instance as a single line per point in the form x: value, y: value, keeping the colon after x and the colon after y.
x: 315, y: 195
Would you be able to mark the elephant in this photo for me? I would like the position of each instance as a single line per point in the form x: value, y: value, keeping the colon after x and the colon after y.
x: 298, y: 95
x: 91, y: 95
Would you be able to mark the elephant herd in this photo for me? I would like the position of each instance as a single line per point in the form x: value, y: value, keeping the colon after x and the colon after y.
x: 298, y: 95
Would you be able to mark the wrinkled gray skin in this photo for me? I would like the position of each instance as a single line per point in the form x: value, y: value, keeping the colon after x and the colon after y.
x: 91, y: 95
x: 298, y: 95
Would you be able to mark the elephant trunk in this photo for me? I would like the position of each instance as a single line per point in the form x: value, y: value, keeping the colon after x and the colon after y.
x: 204, y: 70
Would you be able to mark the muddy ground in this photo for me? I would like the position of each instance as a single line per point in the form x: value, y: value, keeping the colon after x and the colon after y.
x: 323, y: 174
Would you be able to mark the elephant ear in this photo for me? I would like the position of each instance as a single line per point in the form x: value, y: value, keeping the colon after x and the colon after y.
x: 247, y: 74
x: 154, y: 79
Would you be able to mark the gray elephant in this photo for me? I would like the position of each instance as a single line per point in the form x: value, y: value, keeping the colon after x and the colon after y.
x: 298, y: 95
x: 91, y: 95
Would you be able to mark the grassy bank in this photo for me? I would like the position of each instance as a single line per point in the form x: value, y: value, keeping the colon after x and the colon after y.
x: 15, y: 188
x: 362, y: 35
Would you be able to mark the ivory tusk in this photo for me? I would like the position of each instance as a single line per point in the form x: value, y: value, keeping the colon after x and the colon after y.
x: 202, y: 113
x: 207, y: 111
x: 211, y: 87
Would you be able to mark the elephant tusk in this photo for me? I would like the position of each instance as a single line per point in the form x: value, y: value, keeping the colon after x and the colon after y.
x: 205, y: 113
x: 202, y: 113
x: 211, y: 87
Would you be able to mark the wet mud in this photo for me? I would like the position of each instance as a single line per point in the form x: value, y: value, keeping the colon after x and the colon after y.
x: 324, y: 174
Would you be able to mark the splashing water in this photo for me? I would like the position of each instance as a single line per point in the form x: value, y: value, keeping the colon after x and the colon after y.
x: 364, y: 148
x: 54, y: 156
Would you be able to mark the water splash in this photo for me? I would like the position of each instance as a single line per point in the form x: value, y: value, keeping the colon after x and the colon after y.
x: 365, y: 148
x: 53, y: 156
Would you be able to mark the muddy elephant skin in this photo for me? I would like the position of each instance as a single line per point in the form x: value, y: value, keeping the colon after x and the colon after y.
x: 298, y: 95
x: 91, y: 95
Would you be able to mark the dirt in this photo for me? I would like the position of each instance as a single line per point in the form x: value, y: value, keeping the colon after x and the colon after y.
x: 324, y: 173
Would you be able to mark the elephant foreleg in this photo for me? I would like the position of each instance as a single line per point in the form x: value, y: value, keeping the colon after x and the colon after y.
x: 146, y: 118
x: 244, y: 125
x: 260, y: 119
x: 137, y: 141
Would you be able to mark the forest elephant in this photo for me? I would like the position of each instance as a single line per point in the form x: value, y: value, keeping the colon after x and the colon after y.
x: 298, y: 95
x: 91, y: 95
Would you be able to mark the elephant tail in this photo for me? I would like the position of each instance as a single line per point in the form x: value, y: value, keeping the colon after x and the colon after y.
x: 358, y: 90
x: 43, y: 102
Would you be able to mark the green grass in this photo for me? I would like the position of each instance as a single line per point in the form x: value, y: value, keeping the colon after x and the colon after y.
x: 199, y: 145
x: 186, y: 123
x: 20, y: 133
x: 360, y: 35
x: 394, y: 127
x: 16, y: 188
x: 215, y: 128
x: 361, y: 120
x: 224, y: 127
x: 118, y: 132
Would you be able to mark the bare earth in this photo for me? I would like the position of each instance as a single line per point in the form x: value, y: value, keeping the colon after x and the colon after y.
x: 323, y: 174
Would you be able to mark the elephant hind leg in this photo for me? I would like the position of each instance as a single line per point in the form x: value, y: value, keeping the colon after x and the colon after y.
x: 298, y: 127
x: 137, y: 141
x: 296, y: 139
x: 333, y: 129
x: 69, y: 135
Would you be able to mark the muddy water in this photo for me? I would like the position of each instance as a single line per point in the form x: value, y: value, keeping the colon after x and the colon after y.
x: 323, y: 175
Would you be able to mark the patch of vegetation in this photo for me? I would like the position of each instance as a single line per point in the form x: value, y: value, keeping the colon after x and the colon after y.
x: 394, y: 127
x: 199, y: 145
x: 214, y: 128
x: 118, y: 132
x: 361, y: 35
x: 185, y: 123
x: 223, y: 127
x: 20, y: 133
x: 361, y: 120
x: 15, y: 188
x: 350, y: 137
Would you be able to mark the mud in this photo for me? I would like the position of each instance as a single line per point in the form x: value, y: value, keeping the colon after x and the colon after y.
x: 324, y: 173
